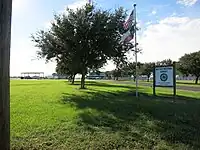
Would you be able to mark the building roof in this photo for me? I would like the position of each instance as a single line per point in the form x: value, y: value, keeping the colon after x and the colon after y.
x: 32, y: 73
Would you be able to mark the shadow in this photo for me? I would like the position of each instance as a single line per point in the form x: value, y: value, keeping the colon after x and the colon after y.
x: 170, y: 98
x: 147, y: 120
x: 187, y: 83
x: 101, y: 84
x: 30, y: 84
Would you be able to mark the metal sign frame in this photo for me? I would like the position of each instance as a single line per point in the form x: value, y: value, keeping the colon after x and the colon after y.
x: 174, y: 79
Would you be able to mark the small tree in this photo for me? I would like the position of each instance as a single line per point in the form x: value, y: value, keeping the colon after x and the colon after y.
x: 108, y: 75
x: 54, y: 75
x: 164, y: 62
x: 147, y: 70
x: 68, y: 69
x: 131, y: 69
x: 190, y: 64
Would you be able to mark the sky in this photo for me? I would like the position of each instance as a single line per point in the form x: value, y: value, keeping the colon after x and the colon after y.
x: 168, y: 29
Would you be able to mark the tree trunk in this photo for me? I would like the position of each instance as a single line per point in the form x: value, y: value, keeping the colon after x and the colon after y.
x: 197, y: 79
x: 148, y: 78
x: 134, y: 78
x: 117, y: 78
x: 73, y: 78
x: 83, y: 81
x: 5, y: 32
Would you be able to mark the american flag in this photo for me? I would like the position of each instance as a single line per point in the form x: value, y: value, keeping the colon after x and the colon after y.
x: 129, y: 35
x: 129, y: 38
x: 127, y: 25
x: 90, y: 2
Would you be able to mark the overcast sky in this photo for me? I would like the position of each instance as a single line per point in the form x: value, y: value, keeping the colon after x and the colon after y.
x: 169, y: 29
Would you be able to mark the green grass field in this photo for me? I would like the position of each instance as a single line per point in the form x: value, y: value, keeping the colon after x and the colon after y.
x: 56, y: 115
x: 189, y: 83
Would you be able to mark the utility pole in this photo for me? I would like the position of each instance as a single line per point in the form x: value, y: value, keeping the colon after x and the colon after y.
x: 5, y: 36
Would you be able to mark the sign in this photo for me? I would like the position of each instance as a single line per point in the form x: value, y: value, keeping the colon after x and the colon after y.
x: 164, y: 76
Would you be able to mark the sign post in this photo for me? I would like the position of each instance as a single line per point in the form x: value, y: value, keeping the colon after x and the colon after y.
x: 164, y: 76
x: 154, y: 80
x: 174, y: 73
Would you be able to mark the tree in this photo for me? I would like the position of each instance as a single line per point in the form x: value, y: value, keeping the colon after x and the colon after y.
x: 131, y: 69
x: 108, y: 75
x: 147, y: 70
x: 127, y: 69
x: 120, y: 58
x: 189, y: 64
x: 54, y: 74
x: 68, y: 68
x: 164, y: 62
x: 116, y: 74
x: 87, y: 38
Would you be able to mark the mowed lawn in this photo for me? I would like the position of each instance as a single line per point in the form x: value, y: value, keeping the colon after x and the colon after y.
x: 190, y: 83
x: 56, y: 115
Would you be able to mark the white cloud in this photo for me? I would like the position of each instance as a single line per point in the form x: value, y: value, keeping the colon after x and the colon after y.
x: 171, y: 37
x: 148, y: 23
x: 175, y: 20
x: 22, y: 59
x: 77, y: 4
x: 174, y: 14
x: 18, y: 3
x: 20, y: 6
x: 22, y: 49
x: 187, y: 2
x: 153, y: 12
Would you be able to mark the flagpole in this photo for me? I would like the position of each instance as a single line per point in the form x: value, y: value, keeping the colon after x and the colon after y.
x: 136, y: 61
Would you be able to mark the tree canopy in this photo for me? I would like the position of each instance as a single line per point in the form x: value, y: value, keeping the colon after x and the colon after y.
x: 83, y: 39
x: 189, y: 64
x: 164, y: 62
x: 147, y: 69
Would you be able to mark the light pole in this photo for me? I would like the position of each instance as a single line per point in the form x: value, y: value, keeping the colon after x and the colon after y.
x: 5, y: 36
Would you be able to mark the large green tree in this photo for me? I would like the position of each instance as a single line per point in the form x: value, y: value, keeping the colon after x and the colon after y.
x: 164, y: 62
x: 86, y: 38
x: 189, y: 64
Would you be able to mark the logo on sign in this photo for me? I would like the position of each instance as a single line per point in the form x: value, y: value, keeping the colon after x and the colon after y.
x: 163, y: 77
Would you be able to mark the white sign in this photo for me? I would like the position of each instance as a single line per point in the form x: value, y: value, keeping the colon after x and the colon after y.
x: 164, y: 76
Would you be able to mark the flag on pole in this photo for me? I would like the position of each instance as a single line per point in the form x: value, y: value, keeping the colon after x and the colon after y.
x: 90, y: 2
x: 129, y: 35
x: 127, y: 24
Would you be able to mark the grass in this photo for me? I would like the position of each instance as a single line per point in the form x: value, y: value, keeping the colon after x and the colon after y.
x: 188, y: 83
x: 56, y: 115
x: 184, y: 83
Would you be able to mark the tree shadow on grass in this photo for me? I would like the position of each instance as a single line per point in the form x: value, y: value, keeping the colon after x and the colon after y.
x: 101, y: 84
x: 30, y: 84
x: 187, y: 83
x: 145, y: 121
